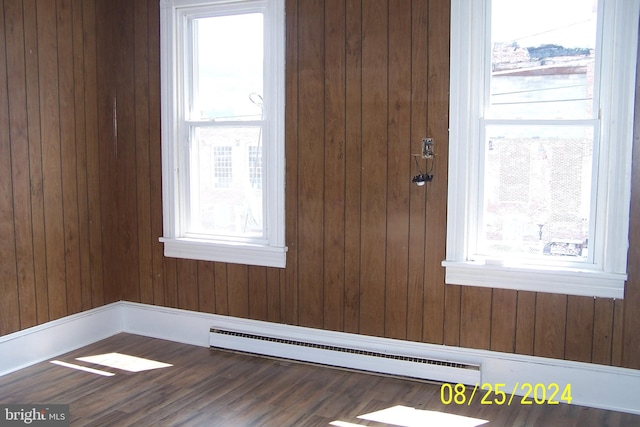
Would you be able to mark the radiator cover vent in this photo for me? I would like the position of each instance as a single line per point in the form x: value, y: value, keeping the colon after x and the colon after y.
x: 347, y: 357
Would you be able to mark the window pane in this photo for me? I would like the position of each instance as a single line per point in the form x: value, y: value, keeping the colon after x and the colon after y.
x: 537, y: 192
x: 542, y: 59
x: 226, y: 195
x: 229, y: 67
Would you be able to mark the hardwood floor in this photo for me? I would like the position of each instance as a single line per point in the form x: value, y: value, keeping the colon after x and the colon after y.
x: 206, y: 387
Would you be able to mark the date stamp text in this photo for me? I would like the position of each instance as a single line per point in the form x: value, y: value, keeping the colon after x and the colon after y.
x: 495, y: 394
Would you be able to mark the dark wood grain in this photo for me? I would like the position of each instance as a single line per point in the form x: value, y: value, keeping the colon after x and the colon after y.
x: 258, y: 304
x: 374, y: 165
x: 602, y: 331
x: 222, y: 296
x: 503, y: 320
x: 187, y: 285
x: 353, y: 158
x: 550, y: 324
x: 291, y: 171
x: 143, y: 159
x: 238, y: 290
x: 19, y: 177
x: 437, y: 81
x: 475, y: 317
x: 94, y: 213
x: 525, y: 322
x: 79, y: 101
x: 334, y: 165
x: 310, y: 137
x: 451, y: 320
x: 424, y: 312
x: 68, y: 156
x: 618, y: 327
x: 9, y: 305
x: 579, y: 331
x: 212, y: 387
x: 398, y: 169
x: 206, y: 286
x: 81, y: 199
x: 51, y: 164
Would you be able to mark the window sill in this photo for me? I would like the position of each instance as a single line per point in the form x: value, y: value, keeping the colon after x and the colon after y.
x: 557, y: 280
x: 235, y: 253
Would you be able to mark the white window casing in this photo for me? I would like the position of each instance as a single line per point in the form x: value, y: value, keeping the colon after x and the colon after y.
x: 605, y: 273
x: 178, y: 124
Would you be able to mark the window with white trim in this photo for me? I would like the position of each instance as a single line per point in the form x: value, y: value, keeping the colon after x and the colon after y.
x: 222, y: 81
x: 541, y: 122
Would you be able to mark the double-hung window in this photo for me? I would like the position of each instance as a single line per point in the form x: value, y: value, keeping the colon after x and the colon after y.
x: 541, y: 125
x: 222, y: 84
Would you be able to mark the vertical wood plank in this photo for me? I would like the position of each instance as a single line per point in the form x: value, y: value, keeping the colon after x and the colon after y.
x: 398, y: 170
x: 550, y: 324
x: 334, y: 165
x: 79, y: 89
x: 206, y: 287
x: 602, y: 331
x: 258, y: 308
x: 274, y: 297
x: 170, y: 276
x: 155, y: 156
x: 436, y: 191
x: 221, y: 288
x: 89, y: 30
x: 475, y: 317
x: 20, y: 176
x: 525, y: 322
x: 35, y: 160
x: 418, y: 303
x: 51, y: 155
x: 579, y: 341
x: 143, y: 195
x: 618, y: 327
x: 124, y: 151
x: 311, y: 162
x: 238, y: 290
x: 9, y: 303
x: 187, y: 283
x: 451, y: 321
x: 353, y: 158
x: 374, y: 166
x: 503, y: 320
x: 290, y: 286
x: 73, y: 275
x: 106, y: 73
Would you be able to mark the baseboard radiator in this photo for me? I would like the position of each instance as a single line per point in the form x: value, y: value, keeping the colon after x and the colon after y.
x: 373, y: 360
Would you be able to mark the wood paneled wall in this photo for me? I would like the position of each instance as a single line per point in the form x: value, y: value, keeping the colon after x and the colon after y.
x: 50, y: 211
x: 366, y: 81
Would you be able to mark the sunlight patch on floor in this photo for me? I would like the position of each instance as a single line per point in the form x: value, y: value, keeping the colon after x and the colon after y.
x: 82, y: 368
x: 405, y: 416
x: 124, y: 362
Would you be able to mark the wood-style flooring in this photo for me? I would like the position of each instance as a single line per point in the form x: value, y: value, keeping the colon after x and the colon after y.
x: 205, y: 387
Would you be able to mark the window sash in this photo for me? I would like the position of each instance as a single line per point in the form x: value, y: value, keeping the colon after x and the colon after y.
x: 479, y: 199
x: 467, y: 99
x: 193, y: 224
x: 178, y: 122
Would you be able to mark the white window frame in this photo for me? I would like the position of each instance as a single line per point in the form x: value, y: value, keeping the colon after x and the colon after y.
x: 606, y: 276
x: 271, y: 250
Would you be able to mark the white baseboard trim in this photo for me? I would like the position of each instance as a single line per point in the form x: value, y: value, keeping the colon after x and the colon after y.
x: 592, y: 385
x: 30, y: 346
x: 597, y: 386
